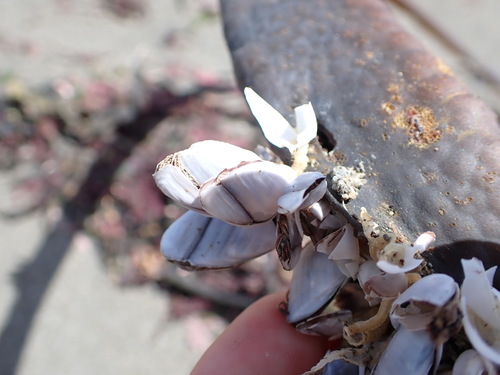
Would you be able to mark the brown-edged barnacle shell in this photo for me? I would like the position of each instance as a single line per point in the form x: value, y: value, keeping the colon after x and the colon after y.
x: 196, y: 241
x: 430, y: 304
x: 480, y: 304
x: 289, y: 237
x: 246, y: 194
x: 330, y: 325
x: 180, y: 175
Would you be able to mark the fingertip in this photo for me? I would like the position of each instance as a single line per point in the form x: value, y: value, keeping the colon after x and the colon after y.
x: 261, y: 341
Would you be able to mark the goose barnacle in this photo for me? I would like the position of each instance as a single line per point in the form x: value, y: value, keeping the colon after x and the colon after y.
x: 430, y: 304
x: 342, y: 247
x: 428, y: 314
x: 289, y: 238
x: 393, y: 256
x: 244, y: 194
x: 403, y: 257
x: 278, y: 130
x: 224, y: 181
x: 304, y: 191
x: 233, y: 186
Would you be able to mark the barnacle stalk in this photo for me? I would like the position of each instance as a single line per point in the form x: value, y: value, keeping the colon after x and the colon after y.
x: 362, y: 332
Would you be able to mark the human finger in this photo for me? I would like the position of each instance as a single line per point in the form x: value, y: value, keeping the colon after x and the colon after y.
x: 261, y: 341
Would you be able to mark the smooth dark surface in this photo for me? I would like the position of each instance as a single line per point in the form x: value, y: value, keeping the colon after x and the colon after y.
x: 431, y: 150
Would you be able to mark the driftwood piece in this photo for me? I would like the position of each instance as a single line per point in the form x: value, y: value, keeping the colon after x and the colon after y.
x: 430, y: 149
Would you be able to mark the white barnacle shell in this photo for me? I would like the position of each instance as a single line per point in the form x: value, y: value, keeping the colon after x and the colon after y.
x: 342, y: 247
x: 401, y: 257
x: 180, y: 175
x: 197, y: 241
x: 419, y: 305
x: 246, y: 194
x: 277, y: 129
x: 471, y: 363
x: 315, y: 281
x: 408, y: 352
x: 480, y: 304
x: 306, y: 189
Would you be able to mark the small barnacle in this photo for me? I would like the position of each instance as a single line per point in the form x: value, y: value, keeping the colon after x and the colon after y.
x: 376, y: 240
x: 388, y: 107
x: 404, y: 257
x: 278, y: 130
x: 391, y: 256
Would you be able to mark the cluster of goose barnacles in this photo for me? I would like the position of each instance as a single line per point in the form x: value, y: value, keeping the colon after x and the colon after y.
x: 395, y: 320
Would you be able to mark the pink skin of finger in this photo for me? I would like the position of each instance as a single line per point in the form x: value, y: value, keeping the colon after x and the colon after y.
x: 261, y: 341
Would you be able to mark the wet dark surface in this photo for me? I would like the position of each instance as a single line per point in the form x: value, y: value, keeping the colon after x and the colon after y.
x: 430, y: 149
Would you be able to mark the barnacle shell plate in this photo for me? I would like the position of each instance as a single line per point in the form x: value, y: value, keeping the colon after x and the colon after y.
x: 408, y: 352
x: 197, y: 241
x: 180, y: 175
x: 246, y: 194
x: 315, y: 280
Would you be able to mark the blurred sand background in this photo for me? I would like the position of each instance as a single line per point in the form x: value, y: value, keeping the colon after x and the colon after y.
x: 74, y: 76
